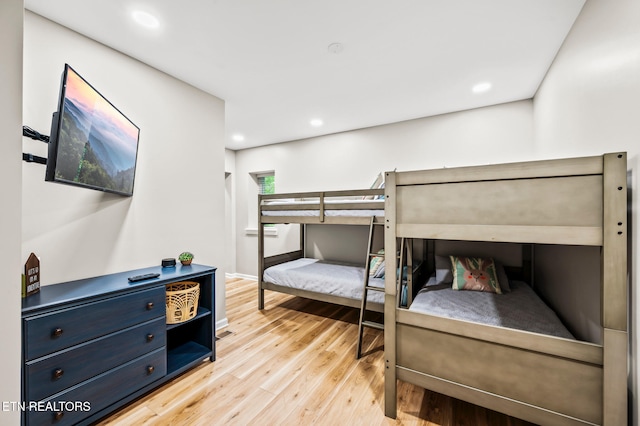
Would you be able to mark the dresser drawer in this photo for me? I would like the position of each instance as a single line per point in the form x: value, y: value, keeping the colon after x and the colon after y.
x: 52, y: 374
x: 45, y: 334
x: 70, y: 407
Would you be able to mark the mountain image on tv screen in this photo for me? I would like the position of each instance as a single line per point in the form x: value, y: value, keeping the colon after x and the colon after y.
x: 97, y: 144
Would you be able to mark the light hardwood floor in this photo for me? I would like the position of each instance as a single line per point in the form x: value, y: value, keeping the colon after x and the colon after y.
x: 294, y: 364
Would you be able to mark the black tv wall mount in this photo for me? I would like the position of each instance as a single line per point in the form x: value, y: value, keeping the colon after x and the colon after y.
x: 33, y: 134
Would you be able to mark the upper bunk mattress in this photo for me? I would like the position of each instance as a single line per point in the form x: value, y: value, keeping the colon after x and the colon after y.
x: 327, y: 211
x: 521, y: 308
x: 324, y: 277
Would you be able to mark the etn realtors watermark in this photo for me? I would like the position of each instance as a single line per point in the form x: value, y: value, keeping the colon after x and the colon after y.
x: 52, y: 406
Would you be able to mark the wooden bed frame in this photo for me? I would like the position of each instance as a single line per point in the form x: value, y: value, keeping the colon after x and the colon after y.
x: 320, y: 202
x: 539, y: 378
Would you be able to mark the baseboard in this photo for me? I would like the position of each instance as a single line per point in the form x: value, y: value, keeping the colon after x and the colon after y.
x: 224, y: 322
x: 243, y: 276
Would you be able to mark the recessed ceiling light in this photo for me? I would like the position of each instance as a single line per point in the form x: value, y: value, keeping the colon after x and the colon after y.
x: 238, y: 137
x: 336, y: 48
x: 316, y: 122
x: 145, y: 19
x: 481, y: 87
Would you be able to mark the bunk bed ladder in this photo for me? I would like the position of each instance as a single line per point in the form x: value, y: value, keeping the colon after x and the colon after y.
x: 365, y: 290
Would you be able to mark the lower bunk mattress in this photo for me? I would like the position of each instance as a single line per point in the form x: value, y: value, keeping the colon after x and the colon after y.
x: 324, y: 277
x: 520, y: 309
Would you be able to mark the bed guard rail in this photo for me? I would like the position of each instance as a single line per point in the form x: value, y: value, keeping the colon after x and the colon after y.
x: 316, y: 204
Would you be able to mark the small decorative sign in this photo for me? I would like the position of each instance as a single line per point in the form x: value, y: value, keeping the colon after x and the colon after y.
x: 31, y: 276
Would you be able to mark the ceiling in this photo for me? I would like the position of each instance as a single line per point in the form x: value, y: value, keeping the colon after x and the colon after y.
x: 277, y: 68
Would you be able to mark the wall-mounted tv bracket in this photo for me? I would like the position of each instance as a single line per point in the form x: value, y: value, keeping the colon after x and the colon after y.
x: 30, y: 158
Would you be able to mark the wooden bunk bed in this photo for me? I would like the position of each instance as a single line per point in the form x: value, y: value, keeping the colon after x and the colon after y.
x: 544, y: 379
x: 349, y: 207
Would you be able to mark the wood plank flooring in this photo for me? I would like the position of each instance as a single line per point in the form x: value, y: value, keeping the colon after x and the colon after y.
x: 294, y: 364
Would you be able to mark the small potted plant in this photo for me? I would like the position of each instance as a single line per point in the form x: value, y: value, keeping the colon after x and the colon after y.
x: 185, y: 258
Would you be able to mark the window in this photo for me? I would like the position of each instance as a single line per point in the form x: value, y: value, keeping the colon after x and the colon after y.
x: 266, y: 184
x: 260, y: 183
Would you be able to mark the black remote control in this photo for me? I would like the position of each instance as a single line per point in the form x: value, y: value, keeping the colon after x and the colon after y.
x: 143, y: 277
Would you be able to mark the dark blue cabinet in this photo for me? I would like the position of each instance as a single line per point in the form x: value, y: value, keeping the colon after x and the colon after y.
x: 92, y: 346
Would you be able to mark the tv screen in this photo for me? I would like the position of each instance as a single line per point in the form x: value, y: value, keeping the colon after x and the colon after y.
x: 92, y: 144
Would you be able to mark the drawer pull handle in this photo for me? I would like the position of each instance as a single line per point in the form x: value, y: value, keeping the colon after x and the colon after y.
x: 58, y: 415
x: 58, y: 373
x: 149, y: 306
x: 57, y: 332
x: 149, y: 337
x: 150, y: 369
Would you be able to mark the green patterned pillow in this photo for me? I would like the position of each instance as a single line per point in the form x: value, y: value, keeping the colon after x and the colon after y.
x: 475, y: 273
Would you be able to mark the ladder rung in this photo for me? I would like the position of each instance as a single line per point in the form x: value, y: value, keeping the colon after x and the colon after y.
x: 370, y: 287
x: 373, y: 324
x: 376, y: 255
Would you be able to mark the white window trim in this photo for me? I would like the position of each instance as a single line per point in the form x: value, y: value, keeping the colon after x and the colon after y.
x: 269, y: 231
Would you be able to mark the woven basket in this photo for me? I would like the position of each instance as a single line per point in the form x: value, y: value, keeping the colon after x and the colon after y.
x: 182, y: 301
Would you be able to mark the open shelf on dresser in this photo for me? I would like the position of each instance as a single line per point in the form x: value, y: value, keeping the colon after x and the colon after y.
x: 183, y: 357
x: 202, y: 312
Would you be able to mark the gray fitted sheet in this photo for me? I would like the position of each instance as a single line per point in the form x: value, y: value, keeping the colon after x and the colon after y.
x: 520, y: 309
x: 324, y: 277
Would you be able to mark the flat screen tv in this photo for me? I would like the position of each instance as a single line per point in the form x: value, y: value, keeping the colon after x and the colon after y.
x: 92, y: 144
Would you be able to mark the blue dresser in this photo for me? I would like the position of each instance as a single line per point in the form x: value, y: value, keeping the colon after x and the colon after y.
x: 94, y: 345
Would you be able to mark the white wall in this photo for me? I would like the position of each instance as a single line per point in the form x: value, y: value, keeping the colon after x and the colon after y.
x: 230, y: 210
x: 351, y: 160
x: 11, y: 24
x: 589, y: 103
x: 178, y: 201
